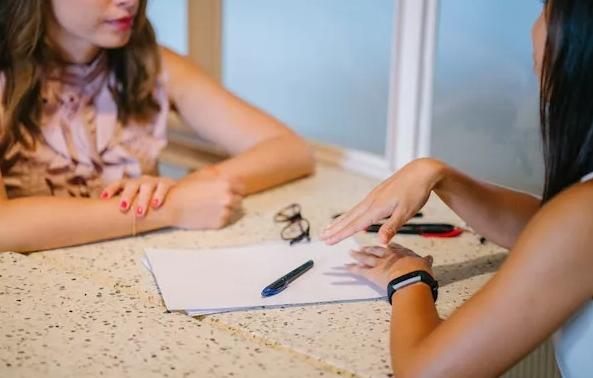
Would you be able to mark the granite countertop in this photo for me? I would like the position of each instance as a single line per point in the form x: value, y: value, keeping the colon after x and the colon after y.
x: 94, y: 310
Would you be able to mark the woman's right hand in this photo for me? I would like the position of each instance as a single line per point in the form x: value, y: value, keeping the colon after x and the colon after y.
x: 399, y: 197
x: 201, y: 204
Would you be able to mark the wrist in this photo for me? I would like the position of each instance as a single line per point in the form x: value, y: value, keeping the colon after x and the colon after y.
x: 208, y: 172
x: 414, y: 279
x: 409, y: 264
x: 165, y: 216
x: 436, y: 171
x: 418, y: 290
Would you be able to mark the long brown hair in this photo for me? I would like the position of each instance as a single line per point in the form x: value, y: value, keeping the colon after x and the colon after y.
x: 23, y: 50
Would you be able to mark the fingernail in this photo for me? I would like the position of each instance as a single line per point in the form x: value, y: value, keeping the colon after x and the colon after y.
x: 155, y: 203
x: 123, y: 205
x: 139, y: 210
x: 104, y: 195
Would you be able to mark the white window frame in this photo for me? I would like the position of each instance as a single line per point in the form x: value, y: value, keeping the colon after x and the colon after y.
x: 409, y: 116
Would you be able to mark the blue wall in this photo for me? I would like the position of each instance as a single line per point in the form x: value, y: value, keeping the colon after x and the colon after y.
x: 169, y: 18
x: 320, y: 66
x: 485, y: 118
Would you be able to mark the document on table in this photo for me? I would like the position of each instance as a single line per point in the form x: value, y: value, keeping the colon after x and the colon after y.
x: 208, y: 281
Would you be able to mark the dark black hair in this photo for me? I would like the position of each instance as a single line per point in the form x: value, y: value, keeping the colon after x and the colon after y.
x: 566, y: 96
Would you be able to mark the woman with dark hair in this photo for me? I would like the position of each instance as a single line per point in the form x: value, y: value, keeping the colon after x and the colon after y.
x: 545, y: 287
x: 85, y: 93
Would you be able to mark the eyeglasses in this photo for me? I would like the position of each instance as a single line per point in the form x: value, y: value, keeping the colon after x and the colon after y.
x: 297, y: 229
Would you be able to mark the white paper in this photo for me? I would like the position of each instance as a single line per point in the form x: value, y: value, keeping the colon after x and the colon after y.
x: 211, y: 281
x: 146, y: 264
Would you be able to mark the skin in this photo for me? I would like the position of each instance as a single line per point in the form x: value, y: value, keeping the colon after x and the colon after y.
x: 79, y: 29
x: 497, y: 213
x: 545, y: 279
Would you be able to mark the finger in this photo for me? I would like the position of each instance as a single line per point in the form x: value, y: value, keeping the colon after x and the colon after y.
x: 160, y: 193
x: 338, y: 230
x: 355, y: 225
x: 128, y: 195
x: 390, y: 228
x: 225, y: 217
x: 359, y: 270
x: 339, y: 218
x: 237, y: 185
x: 429, y: 259
x: 374, y: 250
x: 234, y: 202
x: 145, y: 193
x: 365, y: 258
x: 338, y: 223
x: 112, y: 189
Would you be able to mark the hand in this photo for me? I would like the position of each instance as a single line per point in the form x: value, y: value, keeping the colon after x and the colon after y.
x: 381, y: 265
x: 199, y: 204
x: 142, y: 192
x: 399, y: 197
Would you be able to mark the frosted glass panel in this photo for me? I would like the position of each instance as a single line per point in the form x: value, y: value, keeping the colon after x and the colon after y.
x: 485, y: 118
x: 169, y: 19
x: 320, y: 66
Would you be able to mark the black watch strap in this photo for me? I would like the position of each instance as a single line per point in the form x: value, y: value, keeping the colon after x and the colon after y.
x: 410, y: 279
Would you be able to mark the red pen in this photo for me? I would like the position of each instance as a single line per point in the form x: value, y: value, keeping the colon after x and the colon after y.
x: 429, y: 230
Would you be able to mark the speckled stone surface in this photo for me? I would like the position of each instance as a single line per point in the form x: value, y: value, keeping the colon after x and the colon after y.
x: 55, y: 324
x: 350, y: 337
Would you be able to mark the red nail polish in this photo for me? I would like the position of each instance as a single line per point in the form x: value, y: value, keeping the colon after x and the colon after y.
x: 124, y: 205
x: 155, y: 202
x: 104, y: 195
x: 139, y: 210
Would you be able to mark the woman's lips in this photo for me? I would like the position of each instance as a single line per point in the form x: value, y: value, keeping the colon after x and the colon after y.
x: 124, y: 23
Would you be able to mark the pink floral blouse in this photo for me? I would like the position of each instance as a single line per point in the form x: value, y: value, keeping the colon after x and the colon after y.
x: 84, y: 146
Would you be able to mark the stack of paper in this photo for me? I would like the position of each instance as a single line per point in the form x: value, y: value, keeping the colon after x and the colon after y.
x: 211, y: 281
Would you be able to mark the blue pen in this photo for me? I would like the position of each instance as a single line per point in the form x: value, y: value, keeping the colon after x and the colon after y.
x: 283, y: 282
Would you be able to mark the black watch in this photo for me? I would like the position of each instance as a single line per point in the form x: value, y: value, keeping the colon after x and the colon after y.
x: 410, y: 279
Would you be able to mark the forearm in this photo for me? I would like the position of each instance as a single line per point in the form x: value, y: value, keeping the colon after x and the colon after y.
x: 498, y: 214
x: 270, y: 163
x: 413, y: 318
x: 38, y: 223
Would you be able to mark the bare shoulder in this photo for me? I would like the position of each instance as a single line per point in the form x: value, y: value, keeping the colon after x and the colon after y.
x: 563, y: 229
x: 183, y: 74
x: 177, y: 65
x: 574, y: 205
x: 169, y: 56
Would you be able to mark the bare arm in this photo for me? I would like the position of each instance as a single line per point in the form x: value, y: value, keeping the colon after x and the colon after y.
x: 546, y: 279
x: 264, y: 152
x: 38, y: 223
x: 499, y: 214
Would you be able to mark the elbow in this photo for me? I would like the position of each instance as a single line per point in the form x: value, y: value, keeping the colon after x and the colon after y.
x: 8, y: 241
x: 8, y: 245
x: 307, y: 160
x: 304, y: 158
x: 5, y: 245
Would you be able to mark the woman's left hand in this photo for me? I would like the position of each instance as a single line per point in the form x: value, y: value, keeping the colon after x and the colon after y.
x: 381, y: 265
x: 142, y: 192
